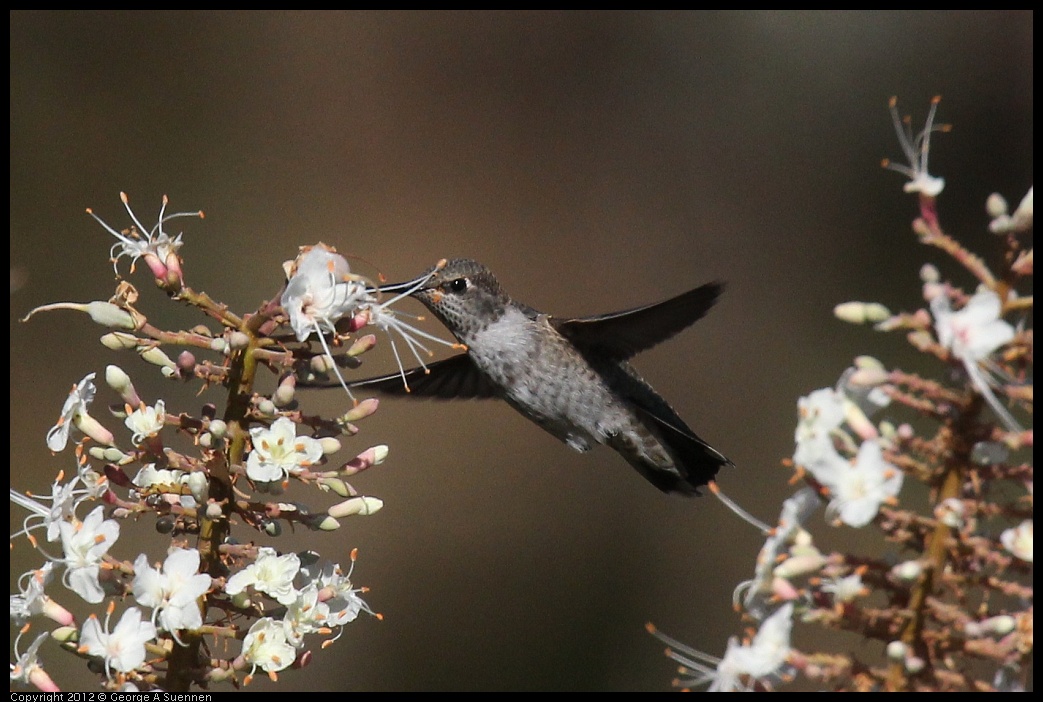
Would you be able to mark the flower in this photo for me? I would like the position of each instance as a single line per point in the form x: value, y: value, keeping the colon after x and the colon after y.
x: 858, y: 488
x: 972, y: 334
x: 761, y: 660
x: 916, y: 150
x: 845, y: 589
x: 305, y: 616
x: 795, y: 512
x: 63, y: 502
x: 320, y: 291
x: 31, y: 599
x: 27, y: 670
x: 172, y: 592
x: 154, y: 245
x: 146, y: 421
x: 278, y: 451
x: 123, y: 650
x: 270, y: 573
x: 1018, y: 540
x: 76, y: 404
x: 336, y: 591
x: 820, y: 413
x: 85, y: 545
x: 265, y: 647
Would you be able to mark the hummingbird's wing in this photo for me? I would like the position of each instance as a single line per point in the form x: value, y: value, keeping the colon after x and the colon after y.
x: 620, y: 335
x: 454, y: 378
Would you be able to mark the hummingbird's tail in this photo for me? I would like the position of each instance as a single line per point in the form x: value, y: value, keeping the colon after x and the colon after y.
x: 694, y: 462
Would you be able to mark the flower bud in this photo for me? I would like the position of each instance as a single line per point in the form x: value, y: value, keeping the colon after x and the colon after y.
x: 364, y: 506
x: 929, y: 273
x: 238, y: 340
x: 104, y: 313
x: 186, y: 362
x: 119, y: 381
x: 950, y: 512
x: 896, y: 650
x: 996, y: 205
x: 797, y: 566
x: 92, y: 428
x: 109, y: 454
x: 321, y: 364
x: 329, y: 445
x: 156, y: 356
x: 283, y: 394
x: 370, y: 457
x: 198, y: 485
x: 907, y: 571
x: 119, y: 341
x: 361, y: 410
x: 335, y: 485
x: 109, y: 315
x: 328, y: 524
x: 1022, y: 217
x: 362, y: 345
x: 66, y: 634
x: 858, y: 421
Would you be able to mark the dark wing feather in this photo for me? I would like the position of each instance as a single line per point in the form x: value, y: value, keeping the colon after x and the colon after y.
x: 620, y: 335
x: 698, y: 461
x: 453, y: 378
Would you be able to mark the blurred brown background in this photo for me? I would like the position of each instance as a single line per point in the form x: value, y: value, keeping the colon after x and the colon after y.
x: 594, y: 162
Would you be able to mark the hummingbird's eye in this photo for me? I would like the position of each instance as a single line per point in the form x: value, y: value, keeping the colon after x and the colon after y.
x: 459, y: 285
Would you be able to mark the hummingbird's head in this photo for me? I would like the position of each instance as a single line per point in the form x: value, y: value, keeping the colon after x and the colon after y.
x: 462, y: 293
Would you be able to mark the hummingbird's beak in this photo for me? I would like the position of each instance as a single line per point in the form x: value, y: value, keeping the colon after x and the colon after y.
x: 407, y: 287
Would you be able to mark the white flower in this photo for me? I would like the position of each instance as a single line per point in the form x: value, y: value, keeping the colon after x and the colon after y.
x: 80, y: 397
x: 64, y: 499
x: 27, y: 669
x: 305, y: 616
x: 916, y: 150
x: 270, y: 574
x: 84, y: 545
x: 278, y: 451
x: 155, y: 245
x: 63, y: 502
x: 974, y: 332
x: 796, y: 511
x: 336, y: 590
x: 31, y: 599
x: 149, y: 476
x: 820, y: 413
x: 172, y: 592
x: 1018, y: 540
x: 763, y: 660
x: 146, y: 421
x: 266, y: 647
x: 858, y: 488
x: 320, y: 291
x: 845, y: 589
x: 123, y: 650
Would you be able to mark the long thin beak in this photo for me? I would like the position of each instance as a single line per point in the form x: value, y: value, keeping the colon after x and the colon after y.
x: 396, y: 288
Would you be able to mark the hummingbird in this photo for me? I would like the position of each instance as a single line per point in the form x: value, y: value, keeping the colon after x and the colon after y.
x: 571, y: 376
